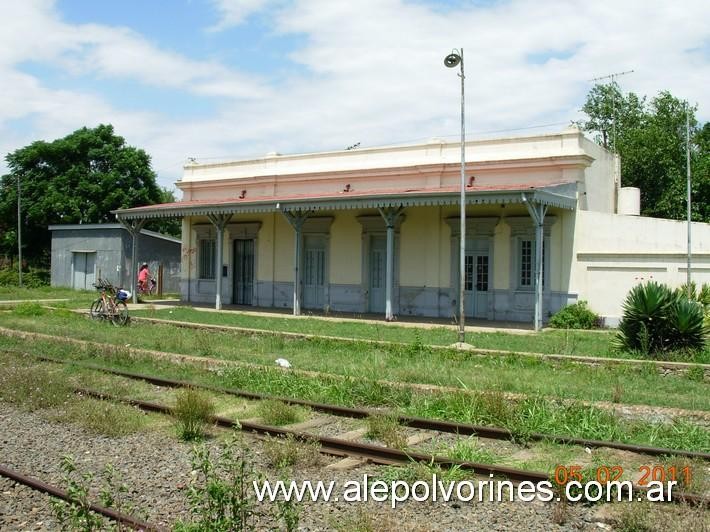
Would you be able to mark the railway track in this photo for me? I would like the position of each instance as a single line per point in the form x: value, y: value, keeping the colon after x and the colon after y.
x: 375, y: 454
x: 462, y: 429
x: 58, y: 493
x: 210, y: 363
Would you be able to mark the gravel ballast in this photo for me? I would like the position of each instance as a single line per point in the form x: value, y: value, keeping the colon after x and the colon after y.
x: 157, y: 468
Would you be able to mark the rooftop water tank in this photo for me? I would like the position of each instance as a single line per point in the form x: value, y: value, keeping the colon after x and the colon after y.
x: 629, y: 201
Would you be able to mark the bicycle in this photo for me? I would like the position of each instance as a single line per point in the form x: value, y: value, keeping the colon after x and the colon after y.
x: 111, y: 304
x: 149, y: 288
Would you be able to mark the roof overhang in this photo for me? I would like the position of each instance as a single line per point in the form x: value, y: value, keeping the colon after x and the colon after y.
x: 561, y: 195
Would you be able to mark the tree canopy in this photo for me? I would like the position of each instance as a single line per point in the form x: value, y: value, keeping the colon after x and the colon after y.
x: 650, y: 138
x: 80, y: 178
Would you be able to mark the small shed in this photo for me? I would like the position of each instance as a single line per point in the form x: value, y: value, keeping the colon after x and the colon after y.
x: 81, y: 253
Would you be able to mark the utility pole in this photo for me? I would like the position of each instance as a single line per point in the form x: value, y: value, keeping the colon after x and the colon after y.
x: 19, y: 231
x: 613, y: 77
x: 687, y: 169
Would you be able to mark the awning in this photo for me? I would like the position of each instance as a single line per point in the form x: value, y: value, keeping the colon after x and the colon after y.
x: 561, y: 195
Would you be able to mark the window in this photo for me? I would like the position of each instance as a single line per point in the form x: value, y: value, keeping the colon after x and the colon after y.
x: 527, y: 263
x: 526, y: 269
x: 206, y: 259
x: 482, y: 273
x: 468, y: 273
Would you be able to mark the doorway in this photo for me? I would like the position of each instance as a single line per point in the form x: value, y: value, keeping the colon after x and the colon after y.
x: 477, y: 276
x: 83, y: 270
x: 378, y: 267
x: 314, y: 272
x: 243, y: 274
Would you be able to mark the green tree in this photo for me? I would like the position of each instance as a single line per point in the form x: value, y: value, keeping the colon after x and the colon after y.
x: 80, y: 178
x: 650, y: 138
x: 168, y: 226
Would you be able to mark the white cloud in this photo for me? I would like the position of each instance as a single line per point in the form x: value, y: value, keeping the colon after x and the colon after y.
x: 371, y: 72
x: 235, y: 12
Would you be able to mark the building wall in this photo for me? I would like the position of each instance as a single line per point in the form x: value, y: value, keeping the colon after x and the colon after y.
x: 156, y: 252
x: 106, y: 243
x: 598, y: 192
x: 112, y: 248
x: 613, y: 252
x: 426, y: 261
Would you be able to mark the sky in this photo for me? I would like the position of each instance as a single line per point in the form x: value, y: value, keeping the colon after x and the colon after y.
x: 234, y: 79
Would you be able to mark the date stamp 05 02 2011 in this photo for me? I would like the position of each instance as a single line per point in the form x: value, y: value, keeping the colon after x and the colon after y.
x: 603, y: 474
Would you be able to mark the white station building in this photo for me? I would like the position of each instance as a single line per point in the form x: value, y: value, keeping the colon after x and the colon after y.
x: 318, y: 231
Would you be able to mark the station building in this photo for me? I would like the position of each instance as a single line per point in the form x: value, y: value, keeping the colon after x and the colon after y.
x: 376, y: 230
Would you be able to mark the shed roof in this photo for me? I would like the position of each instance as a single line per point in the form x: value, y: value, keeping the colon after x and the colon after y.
x: 75, y: 227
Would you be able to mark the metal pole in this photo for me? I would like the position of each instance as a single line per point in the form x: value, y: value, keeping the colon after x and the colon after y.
x: 218, y: 265
x: 539, y: 236
x: 462, y: 244
x: 134, y: 265
x: 687, y: 165
x: 19, y: 231
x: 297, y: 270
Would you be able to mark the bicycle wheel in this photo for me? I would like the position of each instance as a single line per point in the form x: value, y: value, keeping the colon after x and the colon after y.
x: 96, y: 310
x: 119, y: 317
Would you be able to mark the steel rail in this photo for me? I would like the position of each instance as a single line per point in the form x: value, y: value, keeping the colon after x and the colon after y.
x: 41, y: 486
x: 374, y: 453
x: 463, y: 429
x: 339, y: 447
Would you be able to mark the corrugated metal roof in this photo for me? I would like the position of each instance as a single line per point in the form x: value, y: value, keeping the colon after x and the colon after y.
x: 561, y: 195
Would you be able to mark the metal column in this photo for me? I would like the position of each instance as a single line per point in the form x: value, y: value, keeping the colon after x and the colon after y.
x: 134, y: 228
x: 220, y: 222
x: 390, y: 216
x: 297, y: 219
x: 537, y: 212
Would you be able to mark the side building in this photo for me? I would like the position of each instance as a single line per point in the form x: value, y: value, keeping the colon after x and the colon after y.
x: 376, y: 230
x: 81, y: 253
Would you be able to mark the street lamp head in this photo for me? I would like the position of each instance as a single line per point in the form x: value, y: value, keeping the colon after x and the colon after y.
x: 452, y: 60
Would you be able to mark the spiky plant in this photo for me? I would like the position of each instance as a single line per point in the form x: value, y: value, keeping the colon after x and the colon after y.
x: 686, y: 328
x: 656, y: 319
x: 645, y: 315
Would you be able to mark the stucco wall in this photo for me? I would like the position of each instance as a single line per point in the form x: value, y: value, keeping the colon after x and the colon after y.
x: 613, y: 252
x: 345, y: 249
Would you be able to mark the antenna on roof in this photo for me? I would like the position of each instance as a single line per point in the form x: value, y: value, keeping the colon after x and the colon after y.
x: 356, y: 145
x: 613, y: 77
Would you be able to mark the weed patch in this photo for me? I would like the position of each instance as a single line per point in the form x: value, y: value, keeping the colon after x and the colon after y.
x: 279, y: 413
x: 103, y: 417
x: 32, y: 387
x: 29, y: 309
x: 193, y: 411
x: 386, y: 428
x: 286, y: 452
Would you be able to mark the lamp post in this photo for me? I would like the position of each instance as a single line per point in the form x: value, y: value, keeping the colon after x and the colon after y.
x: 19, y: 233
x: 452, y: 60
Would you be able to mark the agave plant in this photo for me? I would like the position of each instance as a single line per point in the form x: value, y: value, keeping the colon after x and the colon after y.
x: 686, y: 328
x: 656, y: 319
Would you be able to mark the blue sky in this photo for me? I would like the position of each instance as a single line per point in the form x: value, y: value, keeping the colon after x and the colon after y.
x: 239, y: 78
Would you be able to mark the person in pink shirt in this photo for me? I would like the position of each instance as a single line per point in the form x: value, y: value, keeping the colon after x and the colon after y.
x: 143, y: 276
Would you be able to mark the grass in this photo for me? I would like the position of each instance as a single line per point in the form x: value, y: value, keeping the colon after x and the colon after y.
x: 287, y: 452
x: 103, y: 417
x: 564, y: 342
x: 193, y: 411
x: 470, y: 450
x: 522, y: 416
x: 386, y: 428
x: 76, y: 298
x: 32, y: 388
x: 278, y: 413
x: 358, y: 360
